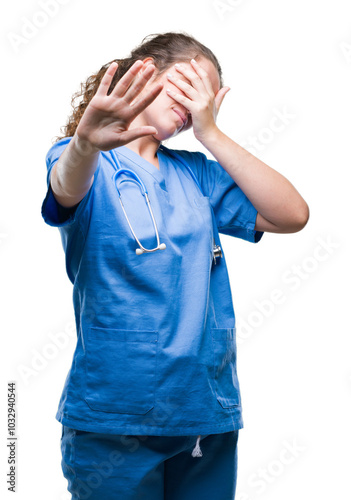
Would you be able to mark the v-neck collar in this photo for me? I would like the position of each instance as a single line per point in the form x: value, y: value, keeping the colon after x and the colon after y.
x: 158, y: 174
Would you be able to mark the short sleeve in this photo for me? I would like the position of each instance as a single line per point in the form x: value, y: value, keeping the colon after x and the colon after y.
x: 52, y: 212
x: 65, y: 212
x: 234, y: 213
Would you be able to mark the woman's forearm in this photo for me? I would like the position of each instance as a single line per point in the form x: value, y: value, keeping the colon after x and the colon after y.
x: 73, y: 173
x: 273, y: 196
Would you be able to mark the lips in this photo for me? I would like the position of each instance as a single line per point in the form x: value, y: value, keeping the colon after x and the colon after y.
x: 181, y: 115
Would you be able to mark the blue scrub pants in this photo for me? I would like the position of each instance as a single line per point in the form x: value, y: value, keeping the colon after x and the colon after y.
x: 123, y: 467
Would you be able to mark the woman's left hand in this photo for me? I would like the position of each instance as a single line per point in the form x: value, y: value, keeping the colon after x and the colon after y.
x: 198, y: 98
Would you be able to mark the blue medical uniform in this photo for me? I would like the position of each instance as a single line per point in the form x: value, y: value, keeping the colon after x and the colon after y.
x: 110, y: 467
x: 156, y: 336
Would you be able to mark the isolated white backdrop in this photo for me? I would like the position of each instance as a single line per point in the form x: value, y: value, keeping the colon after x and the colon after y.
x: 278, y: 57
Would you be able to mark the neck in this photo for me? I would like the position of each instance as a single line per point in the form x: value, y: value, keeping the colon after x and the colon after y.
x: 146, y: 147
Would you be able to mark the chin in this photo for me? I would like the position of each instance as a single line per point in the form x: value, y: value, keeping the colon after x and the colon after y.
x: 166, y: 134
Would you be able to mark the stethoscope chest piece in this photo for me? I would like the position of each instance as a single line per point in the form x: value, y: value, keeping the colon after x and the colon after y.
x: 217, y: 251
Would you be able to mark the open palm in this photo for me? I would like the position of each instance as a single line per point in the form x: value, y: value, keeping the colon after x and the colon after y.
x: 105, y: 122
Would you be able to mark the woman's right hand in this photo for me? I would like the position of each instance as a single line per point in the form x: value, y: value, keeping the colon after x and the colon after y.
x: 105, y: 122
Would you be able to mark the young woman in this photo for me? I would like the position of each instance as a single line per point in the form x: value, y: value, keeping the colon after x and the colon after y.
x: 154, y: 369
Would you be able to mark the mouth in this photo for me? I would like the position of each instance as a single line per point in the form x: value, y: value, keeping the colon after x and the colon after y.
x: 181, y: 116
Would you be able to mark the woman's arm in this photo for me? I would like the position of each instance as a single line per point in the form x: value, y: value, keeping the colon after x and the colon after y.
x: 73, y: 173
x: 103, y: 126
x: 281, y: 209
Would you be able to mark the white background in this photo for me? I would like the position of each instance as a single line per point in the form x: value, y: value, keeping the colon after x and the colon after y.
x: 293, y: 356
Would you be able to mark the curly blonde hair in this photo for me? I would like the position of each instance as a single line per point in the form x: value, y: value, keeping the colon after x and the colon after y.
x: 165, y: 50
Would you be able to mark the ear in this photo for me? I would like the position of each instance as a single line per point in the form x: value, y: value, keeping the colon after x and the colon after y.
x: 147, y: 61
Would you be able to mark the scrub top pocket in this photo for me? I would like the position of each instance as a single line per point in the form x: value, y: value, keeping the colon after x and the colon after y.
x: 224, y: 359
x: 121, y: 370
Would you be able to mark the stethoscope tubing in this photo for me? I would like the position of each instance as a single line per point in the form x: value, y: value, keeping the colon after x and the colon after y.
x: 160, y: 246
x: 140, y: 183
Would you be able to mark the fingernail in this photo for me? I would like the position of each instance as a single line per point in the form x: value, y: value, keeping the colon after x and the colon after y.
x: 193, y: 61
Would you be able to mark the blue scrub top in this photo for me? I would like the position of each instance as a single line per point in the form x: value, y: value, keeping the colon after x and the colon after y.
x: 156, y: 336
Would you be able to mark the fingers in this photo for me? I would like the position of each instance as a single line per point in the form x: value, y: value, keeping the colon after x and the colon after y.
x: 203, y: 75
x: 183, y: 86
x: 193, y: 77
x: 139, y: 83
x: 135, y: 133
x: 138, y: 106
x: 122, y: 86
x: 107, y: 79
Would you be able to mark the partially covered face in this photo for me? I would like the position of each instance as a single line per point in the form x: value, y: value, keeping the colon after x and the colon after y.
x: 166, y: 114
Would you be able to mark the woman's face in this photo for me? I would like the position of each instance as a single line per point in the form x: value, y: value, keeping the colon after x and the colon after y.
x: 161, y: 112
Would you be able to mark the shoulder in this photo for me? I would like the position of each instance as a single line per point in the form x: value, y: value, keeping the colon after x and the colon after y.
x: 56, y: 149
x: 196, y: 158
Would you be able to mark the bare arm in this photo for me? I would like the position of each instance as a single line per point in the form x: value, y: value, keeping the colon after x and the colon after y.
x: 73, y: 173
x: 103, y: 126
x: 281, y: 209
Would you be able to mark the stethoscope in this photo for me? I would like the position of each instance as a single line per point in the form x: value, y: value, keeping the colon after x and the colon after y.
x: 139, y: 182
x: 217, y: 251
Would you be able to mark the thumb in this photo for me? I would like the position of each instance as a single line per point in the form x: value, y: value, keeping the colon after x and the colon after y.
x: 220, y: 96
x: 136, y: 133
